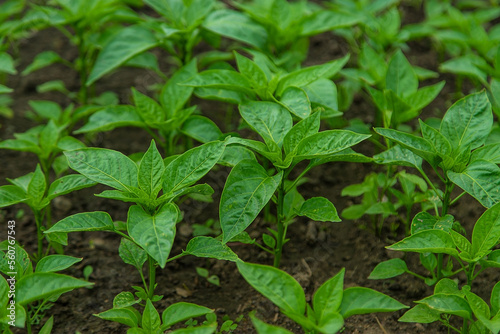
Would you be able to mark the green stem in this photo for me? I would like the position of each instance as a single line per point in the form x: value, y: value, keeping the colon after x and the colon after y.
x: 176, y: 257
x: 416, y: 275
x: 281, y: 224
x: 440, y: 266
x: 38, y: 222
x: 264, y: 248
x: 446, y: 197
x: 152, y: 277
x: 470, y: 274
x: 297, y: 179
x: 426, y: 178
x: 457, y: 198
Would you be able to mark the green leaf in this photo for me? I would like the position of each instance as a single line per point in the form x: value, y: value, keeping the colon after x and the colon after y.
x: 276, y: 285
x: 425, y: 221
x: 401, y: 77
x: 154, y: 233
x: 126, y: 44
x: 238, y: 26
x: 124, y: 299
x: 201, y: 128
x: 234, y: 154
x: 326, y: 20
x: 440, y: 144
x: 248, y: 189
x: 192, y: 165
x: 221, y: 79
x: 328, y: 298
x: 151, y: 171
x: 323, y: 93
x: 206, y: 329
x: 210, y: 248
x: 447, y: 303
x: 434, y: 241
x: 305, y: 76
x: 421, y: 98
x: 489, y: 153
x: 399, y: 156
x: 121, y: 315
x: 421, y: 314
x: 112, y: 117
x: 263, y: 328
x: 39, y: 286
x: 486, y: 233
x: 183, y: 311
x: 271, y: 121
x: 417, y: 145
x: 326, y: 143
x: 53, y: 263
x: 495, y: 299
x: 132, y: 254
x: 10, y: 195
x: 359, y: 300
x: 149, y: 110
x: 303, y: 129
x: 388, y: 269
x: 67, y: 184
x: 251, y: 71
x: 47, y: 327
x: 105, y: 166
x: 480, y: 179
x: 84, y: 221
x: 173, y: 96
x: 48, y: 138
x: 37, y: 186
x: 319, y: 209
x: 468, y: 122
x: 42, y: 60
x: 296, y: 101
x: 150, y: 318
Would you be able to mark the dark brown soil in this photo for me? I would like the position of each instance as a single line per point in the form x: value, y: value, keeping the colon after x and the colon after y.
x: 316, y: 251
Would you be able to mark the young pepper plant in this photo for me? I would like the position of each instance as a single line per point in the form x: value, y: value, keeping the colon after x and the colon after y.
x: 331, y: 303
x: 34, y: 288
x: 431, y: 235
x: 458, y: 150
x: 87, y: 25
x: 261, y: 79
x: 249, y: 186
x: 149, y: 232
x: 277, y: 28
x: 449, y: 301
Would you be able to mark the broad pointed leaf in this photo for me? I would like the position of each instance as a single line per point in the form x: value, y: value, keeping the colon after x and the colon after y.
x: 276, y: 285
x: 154, y: 233
x: 248, y: 189
x: 359, y: 300
x: 105, y: 166
x: 85, y: 221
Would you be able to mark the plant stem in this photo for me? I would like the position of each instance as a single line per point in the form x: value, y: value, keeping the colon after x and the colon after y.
x: 152, y: 277
x: 446, y: 197
x: 281, y: 228
x: 440, y: 266
x: 38, y: 222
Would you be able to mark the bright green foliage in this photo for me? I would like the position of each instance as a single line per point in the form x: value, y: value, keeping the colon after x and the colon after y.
x: 153, y: 185
x: 296, y: 91
x: 40, y: 284
x: 87, y: 24
x: 449, y: 300
x: 464, y: 128
x: 249, y: 186
x: 331, y: 303
x: 151, y: 323
x: 277, y: 28
x: 433, y: 235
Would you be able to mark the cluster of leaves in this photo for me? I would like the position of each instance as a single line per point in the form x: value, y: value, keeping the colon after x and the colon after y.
x: 282, y: 104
